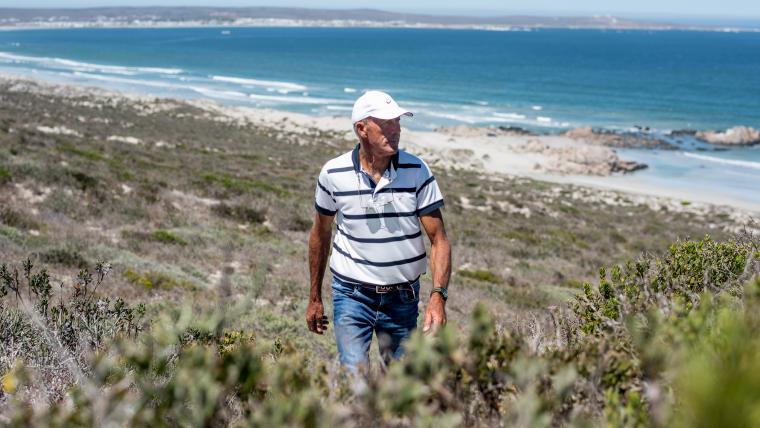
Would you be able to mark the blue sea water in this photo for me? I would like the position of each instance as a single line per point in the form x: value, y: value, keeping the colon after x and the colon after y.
x: 545, y: 80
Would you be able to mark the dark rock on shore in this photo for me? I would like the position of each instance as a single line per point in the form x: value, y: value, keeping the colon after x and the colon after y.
x: 489, y: 131
x: 682, y: 133
x: 514, y: 130
x: 627, y: 140
x: 627, y: 167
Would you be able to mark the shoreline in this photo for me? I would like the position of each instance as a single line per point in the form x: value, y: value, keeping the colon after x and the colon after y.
x: 285, y: 23
x: 549, y: 158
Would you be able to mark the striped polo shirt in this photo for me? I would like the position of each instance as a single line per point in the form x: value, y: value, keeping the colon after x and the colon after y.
x: 378, y: 239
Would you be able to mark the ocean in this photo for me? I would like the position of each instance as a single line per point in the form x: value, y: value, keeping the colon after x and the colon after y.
x: 542, y: 80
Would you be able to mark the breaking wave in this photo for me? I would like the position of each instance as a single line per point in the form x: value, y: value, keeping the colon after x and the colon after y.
x: 740, y: 163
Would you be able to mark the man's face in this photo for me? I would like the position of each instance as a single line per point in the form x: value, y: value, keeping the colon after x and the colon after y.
x: 382, y: 135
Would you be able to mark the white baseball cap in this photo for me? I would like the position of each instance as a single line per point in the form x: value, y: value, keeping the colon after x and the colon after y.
x: 377, y: 104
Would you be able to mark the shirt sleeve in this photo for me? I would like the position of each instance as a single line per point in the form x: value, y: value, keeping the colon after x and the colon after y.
x: 324, y: 202
x: 429, y: 197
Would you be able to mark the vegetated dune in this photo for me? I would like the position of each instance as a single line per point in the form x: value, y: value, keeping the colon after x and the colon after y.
x: 203, y: 218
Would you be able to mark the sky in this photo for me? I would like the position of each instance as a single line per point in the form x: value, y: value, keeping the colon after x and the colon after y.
x: 744, y: 9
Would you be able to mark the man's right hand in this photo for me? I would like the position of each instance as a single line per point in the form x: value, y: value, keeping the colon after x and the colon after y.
x: 316, y: 319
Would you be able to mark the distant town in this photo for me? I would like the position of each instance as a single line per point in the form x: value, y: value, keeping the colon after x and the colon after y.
x: 129, y: 17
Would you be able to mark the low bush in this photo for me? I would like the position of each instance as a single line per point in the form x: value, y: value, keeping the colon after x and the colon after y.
x: 5, y: 176
x: 240, y: 213
x: 661, y: 341
x: 156, y: 280
x: 57, y: 334
x: 159, y: 235
x: 481, y: 275
x: 166, y: 237
x: 13, y: 218
x: 238, y: 185
x: 63, y: 257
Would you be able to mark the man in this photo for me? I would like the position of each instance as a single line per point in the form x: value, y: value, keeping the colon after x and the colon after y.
x: 381, y: 196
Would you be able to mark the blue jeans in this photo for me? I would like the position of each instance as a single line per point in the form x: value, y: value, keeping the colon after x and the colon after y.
x: 359, y: 311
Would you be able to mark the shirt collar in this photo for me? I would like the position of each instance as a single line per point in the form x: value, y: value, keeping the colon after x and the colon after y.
x: 358, y: 167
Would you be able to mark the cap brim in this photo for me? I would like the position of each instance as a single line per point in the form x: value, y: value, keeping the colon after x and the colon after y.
x: 391, y: 113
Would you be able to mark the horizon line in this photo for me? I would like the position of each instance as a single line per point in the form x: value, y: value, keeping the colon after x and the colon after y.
x: 479, y: 13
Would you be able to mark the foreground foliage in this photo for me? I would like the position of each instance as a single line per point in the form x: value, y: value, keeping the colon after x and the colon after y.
x: 660, y: 341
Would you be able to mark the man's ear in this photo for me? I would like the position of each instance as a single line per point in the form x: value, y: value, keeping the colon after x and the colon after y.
x: 360, y: 128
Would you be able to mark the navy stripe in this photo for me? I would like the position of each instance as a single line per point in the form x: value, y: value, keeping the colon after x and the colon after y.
x: 343, y: 169
x: 379, y: 264
x: 409, y: 165
x: 345, y: 278
x: 355, y: 192
x: 324, y: 211
x: 428, y: 181
x: 430, y: 208
x: 380, y: 240
x: 325, y: 190
x: 378, y: 215
x: 370, y: 191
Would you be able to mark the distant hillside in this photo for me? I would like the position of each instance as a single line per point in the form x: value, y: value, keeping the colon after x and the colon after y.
x: 279, y: 16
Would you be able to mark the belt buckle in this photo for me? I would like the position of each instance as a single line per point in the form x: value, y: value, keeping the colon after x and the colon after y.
x: 382, y: 289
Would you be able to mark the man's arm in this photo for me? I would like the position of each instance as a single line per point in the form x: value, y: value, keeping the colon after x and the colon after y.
x: 440, y: 262
x: 319, y: 249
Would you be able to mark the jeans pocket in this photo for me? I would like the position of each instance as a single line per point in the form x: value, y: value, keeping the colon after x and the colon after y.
x: 410, y: 295
x: 343, y: 288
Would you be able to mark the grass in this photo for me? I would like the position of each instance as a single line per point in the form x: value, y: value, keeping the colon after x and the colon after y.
x: 17, y: 219
x: 157, y: 281
x: 240, y: 213
x: 86, y: 154
x: 166, y: 237
x: 5, y: 176
x: 242, y: 185
x: 481, y: 275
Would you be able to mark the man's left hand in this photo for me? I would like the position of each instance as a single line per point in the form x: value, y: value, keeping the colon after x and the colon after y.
x: 435, y: 314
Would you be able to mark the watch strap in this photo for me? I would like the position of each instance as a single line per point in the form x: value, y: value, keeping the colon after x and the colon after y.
x: 442, y: 291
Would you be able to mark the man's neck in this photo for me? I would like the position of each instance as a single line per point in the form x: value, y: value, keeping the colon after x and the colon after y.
x: 375, y: 165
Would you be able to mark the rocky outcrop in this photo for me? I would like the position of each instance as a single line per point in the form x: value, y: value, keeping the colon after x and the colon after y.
x: 488, y: 131
x: 736, y: 136
x: 628, y: 140
x: 577, y: 159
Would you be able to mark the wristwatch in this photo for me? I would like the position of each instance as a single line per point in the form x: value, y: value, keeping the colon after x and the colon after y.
x: 444, y: 292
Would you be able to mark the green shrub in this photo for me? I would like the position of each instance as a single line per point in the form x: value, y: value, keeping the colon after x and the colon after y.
x: 671, y: 283
x: 13, y: 218
x: 166, y: 237
x: 240, y: 213
x: 481, y: 275
x: 55, y: 335
x: 242, y: 185
x: 636, y: 336
x: 526, y: 236
x: 84, y: 181
x: 156, y: 280
x: 87, y: 154
x: 5, y: 176
x: 64, y: 257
